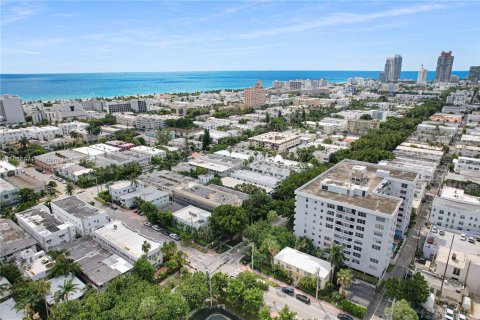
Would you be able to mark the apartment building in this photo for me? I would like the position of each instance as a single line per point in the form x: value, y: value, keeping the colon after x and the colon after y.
x: 127, y: 243
x: 456, y: 258
x: 362, y: 126
x: 256, y: 178
x: 467, y: 151
x: 454, y: 209
x: 11, y: 110
x: 33, y: 133
x: 359, y: 205
x: 14, y: 240
x: 117, y: 106
x: 83, y: 216
x: 192, y: 216
x: 56, y: 159
x: 279, y: 141
x: 152, y: 121
x: 446, y: 117
x: 255, y: 97
x: 467, y: 166
x: 8, y: 193
x: 418, y: 153
x: 45, y: 228
x: 298, y: 265
x: 73, y: 171
x: 471, y: 140
x: 149, y: 151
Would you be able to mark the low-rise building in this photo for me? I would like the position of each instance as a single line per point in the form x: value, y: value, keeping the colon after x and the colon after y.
x: 362, y: 126
x: 8, y: 169
x: 98, y: 266
x: 470, y: 140
x: 191, y: 216
x: 57, y: 284
x: 45, y: 228
x: 14, y: 240
x: 73, y: 171
x: 53, y: 160
x: 35, y: 265
x: 83, y: 216
x: 418, y: 153
x: 325, y: 150
x: 121, y: 188
x: 467, y: 166
x: 256, y: 178
x: 454, y: 209
x: 467, y: 150
x: 148, y: 194
x: 207, y: 197
x: 127, y: 243
x: 446, y: 117
x: 8, y: 193
x: 298, y: 265
x: 149, y: 151
x: 279, y: 141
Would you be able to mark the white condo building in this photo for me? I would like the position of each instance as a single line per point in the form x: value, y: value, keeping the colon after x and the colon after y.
x: 45, y: 228
x: 359, y: 205
x: 454, y: 209
x: 84, y: 217
x: 127, y: 243
x: 11, y: 110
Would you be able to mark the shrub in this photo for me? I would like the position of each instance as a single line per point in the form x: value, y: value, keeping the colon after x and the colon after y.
x: 353, y: 309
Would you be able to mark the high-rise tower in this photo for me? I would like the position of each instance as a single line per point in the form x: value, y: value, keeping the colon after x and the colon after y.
x: 422, y: 75
x: 444, y: 67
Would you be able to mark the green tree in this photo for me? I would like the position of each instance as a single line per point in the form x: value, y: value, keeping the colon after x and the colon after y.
x: 344, y: 279
x: 169, y: 249
x: 402, y: 311
x: 336, y: 256
x: 416, y: 290
x: 11, y: 273
x: 67, y: 288
x: 228, y: 220
x: 30, y: 294
x: 205, y: 139
x: 144, y: 269
x: 146, y: 246
x: 69, y: 188
x: 286, y: 314
x: 194, y: 288
x: 177, y: 261
x: 272, y: 246
x: 264, y: 314
x: 64, y: 266
x: 24, y: 142
x: 366, y: 116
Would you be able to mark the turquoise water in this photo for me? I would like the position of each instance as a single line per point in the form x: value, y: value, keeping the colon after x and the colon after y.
x: 88, y: 85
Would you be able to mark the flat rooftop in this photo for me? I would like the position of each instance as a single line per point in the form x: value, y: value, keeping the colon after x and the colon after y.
x: 97, y: 264
x: 275, y: 137
x: 146, y: 194
x: 6, y: 186
x: 125, y: 239
x: 77, y: 207
x: 24, y: 181
x: 340, y: 175
x: 304, y: 262
x: 13, y: 238
x: 41, y: 221
x: 193, y: 214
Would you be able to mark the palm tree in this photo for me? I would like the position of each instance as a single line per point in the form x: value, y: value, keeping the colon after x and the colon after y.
x: 344, y: 279
x: 133, y: 181
x: 29, y: 295
x: 64, y: 266
x: 24, y: 142
x: 177, y: 261
x: 336, y: 256
x: 67, y: 288
x: 69, y: 188
x: 271, y: 245
x: 146, y: 247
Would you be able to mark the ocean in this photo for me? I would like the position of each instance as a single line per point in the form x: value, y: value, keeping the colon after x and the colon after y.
x: 89, y: 85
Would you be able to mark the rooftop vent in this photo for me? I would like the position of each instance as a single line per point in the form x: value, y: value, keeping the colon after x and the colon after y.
x: 358, y: 175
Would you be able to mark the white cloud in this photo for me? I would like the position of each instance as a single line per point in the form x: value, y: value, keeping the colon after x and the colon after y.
x: 20, y: 51
x: 339, y: 19
x: 15, y: 12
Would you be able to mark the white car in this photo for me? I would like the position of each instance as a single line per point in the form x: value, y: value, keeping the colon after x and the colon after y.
x: 449, y: 314
x: 434, y: 229
x: 463, y: 237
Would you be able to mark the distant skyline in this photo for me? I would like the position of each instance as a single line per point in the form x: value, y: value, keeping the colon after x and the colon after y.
x: 154, y: 36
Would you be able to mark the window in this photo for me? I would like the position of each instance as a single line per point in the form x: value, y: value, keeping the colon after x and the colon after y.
x: 362, y: 214
x: 404, y: 185
x: 456, y: 271
x: 375, y: 247
x: 380, y: 219
x: 357, y: 248
x: 358, y: 255
x: 361, y: 221
x: 374, y: 260
x: 360, y: 228
x: 358, y: 234
x: 329, y: 226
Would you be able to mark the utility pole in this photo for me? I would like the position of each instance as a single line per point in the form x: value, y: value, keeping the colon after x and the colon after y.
x: 210, y: 286
x: 446, y: 265
x: 318, y: 278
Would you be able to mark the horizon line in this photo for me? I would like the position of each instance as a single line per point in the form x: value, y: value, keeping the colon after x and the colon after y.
x: 190, y: 71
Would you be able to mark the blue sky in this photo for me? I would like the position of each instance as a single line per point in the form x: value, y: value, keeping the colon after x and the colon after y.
x: 115, y: 36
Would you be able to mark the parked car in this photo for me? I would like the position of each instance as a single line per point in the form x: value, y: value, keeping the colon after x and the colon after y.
x: 434, y: 229
x: 463, y: 237
x: 302, y: 298
x: 147, y: 224
x: 441, y: 232
x: 156, y: 228
x: 288, y: 291
x: 165, y: 232
x: 344, y: 316
x: 449, y: 314
x: 174, y: 236
x: 471, y: 239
